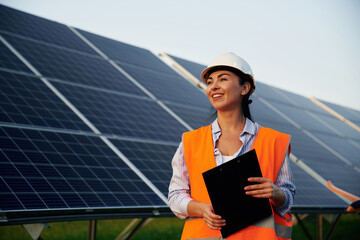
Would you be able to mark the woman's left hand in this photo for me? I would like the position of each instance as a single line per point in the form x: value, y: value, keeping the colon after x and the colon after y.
x: 265, y: 189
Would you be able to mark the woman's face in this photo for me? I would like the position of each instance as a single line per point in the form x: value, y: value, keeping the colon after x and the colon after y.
x: 224, y: 90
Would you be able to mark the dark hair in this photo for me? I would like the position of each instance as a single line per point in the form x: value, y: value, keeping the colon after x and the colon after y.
x: 243, y: 78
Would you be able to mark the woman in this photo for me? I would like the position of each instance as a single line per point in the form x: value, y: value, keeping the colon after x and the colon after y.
x: 230, y: 83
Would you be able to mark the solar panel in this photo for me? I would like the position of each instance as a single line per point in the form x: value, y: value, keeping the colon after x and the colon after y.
x: 126, y: 54
x: 152, y: 159
x: 337, y: 143
x: 27, y: 100
x: 9, y: 61
x: 285, y: 97
x: 124, y: 115
x: 51, y: 163
x: 30, y: 26
x: 196, y: 117
x: 45, y: 170
x: 168, y: 87
x: 71, y: 66
x: 194, y: 68
x: 307, y: 186
x: 315, y: 154
x: 350, y: 114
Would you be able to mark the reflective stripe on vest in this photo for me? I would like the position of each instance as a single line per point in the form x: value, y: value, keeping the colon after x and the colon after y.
x: 270, y: 146
x: 269, y: 222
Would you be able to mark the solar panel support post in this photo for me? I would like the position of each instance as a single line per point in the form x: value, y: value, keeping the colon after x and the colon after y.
x: 92, y: 230
x: 319, y: 226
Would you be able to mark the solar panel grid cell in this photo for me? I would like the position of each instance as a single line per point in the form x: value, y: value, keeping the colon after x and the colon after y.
x: 123, y: 115
x: 63, y: 173
x: 26, y: 100
x: 127, y: 54
x: 310, y: 193
x: 192, y: 67
x: 350, y: 114
x: 151, y: 159
x: 349, y: 150
x: 196, y: 117
x: 260, y: 112
x: 9, y: 60
x: 302, y: 102
x: 166, y: 87
x: 34, y: 27
x: 73, y: 67
x: 302, y: 118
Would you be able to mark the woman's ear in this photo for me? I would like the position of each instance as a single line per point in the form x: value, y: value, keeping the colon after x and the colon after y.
x: 245, y: 88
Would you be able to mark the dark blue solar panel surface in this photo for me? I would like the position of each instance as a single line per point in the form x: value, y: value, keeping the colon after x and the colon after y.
x: 44, y: 170
x: 310, y: 193
x: 261, y: 112
x: 31, y: 26
x: 124, y: 115
x: 343, y: 147
x: 8, y: 60
x: 276, y: 95
x: 341, y: 127
x: 194, y: 68
x: 72, y: 66
x: 329, y: 166
x: 350, y: 114
x: 127, y: 54
x: 304, y: 112
x: 195, y: 117
x: 151, y: 159
x: 169, y: 87
x: 27, y: 100
x: 302, y: 118
x: 332, y: 132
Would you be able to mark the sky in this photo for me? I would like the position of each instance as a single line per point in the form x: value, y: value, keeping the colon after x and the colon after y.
x: 309, y: 47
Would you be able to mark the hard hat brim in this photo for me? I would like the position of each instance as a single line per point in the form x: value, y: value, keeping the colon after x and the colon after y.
x: 206, y: 70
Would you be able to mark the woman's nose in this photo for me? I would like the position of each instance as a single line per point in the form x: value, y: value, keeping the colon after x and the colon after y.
x: 215, y: 85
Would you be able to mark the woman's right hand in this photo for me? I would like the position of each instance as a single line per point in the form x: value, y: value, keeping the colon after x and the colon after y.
x: 212, y: 220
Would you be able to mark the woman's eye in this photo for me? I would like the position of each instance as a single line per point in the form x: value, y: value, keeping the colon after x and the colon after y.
x: 223, y: 79
x: 208, y: 82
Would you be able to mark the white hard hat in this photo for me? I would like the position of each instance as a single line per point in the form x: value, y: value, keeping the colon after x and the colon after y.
x: 230, y: 59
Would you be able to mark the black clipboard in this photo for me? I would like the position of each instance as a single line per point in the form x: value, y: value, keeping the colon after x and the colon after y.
x: 225, y: 184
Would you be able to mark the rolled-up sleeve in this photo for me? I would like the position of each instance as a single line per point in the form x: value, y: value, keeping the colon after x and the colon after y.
x: 179, y: 187
x: 285, y: 182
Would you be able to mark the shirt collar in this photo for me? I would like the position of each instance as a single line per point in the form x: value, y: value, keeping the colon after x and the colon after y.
x: 250, y: 128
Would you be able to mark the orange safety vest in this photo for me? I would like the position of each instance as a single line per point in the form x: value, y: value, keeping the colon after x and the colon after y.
x: 271, y: 147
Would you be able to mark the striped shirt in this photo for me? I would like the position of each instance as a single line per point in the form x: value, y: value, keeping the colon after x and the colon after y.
x: 179, y: 188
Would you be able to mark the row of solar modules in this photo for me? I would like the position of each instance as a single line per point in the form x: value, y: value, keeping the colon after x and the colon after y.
x: 53, y: 160
x: 80, y: 131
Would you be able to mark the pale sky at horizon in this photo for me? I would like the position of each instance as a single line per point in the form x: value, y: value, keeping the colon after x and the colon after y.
x: 309, y: 47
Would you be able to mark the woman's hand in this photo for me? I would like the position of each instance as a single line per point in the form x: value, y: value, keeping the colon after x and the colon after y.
x: 265, y: 189
x: 206, y: 211
x: 212, y: 220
